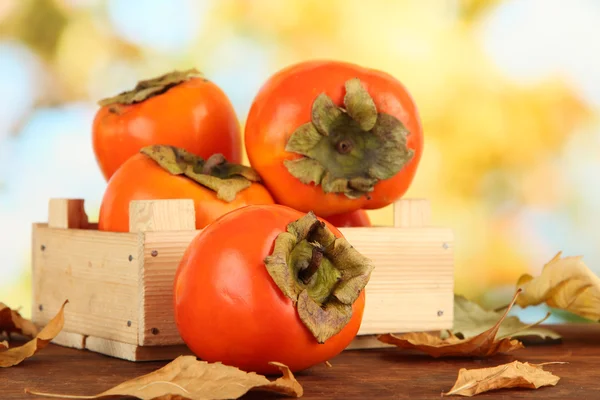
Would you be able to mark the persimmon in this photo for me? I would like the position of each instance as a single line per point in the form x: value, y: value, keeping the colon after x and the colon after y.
x: 358, y: 218
x: 334, y: 137
x: 180, y: 108
x: 166, y: 172
x: 267, y: 282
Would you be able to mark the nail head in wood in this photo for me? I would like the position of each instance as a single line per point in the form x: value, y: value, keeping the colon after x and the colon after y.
x: 440, y: 313
x: 154, y: 253
x: 43, y: 247
x: 130, y: 257
x: 41, y: 307
x: 128, y: 323
x: 154, y: 331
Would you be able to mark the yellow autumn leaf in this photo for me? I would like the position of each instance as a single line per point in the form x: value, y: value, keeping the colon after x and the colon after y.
x: 565, y: 283
x: 516, y: 374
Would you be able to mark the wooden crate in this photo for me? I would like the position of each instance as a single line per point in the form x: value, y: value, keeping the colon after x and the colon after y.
x: 119, y: 285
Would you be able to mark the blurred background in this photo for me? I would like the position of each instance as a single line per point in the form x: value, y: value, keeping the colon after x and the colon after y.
x: 508, y: 91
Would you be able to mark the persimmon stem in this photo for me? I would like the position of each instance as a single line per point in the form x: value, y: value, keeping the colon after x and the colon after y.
x: 344, y: 146
x: 313, y: 265
x: 212, y: 162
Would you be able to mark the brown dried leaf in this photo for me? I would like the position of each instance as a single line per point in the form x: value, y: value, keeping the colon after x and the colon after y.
x: 12, y: 322
x: 187, y: 378
x: 513, y: 375
x: 482, y: 345
x: 16, y: 355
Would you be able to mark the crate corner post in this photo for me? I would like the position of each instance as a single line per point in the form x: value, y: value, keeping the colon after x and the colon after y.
x: 165, y: 227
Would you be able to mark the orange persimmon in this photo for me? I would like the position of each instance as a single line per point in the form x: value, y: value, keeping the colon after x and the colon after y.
x: 180, y: 108
x: 165, y: 172
x: 334, y: 137
x: 266, y: 283
x: 356, y: 218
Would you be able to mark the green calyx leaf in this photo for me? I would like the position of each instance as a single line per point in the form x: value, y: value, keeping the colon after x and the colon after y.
x: 226, y: 179
x: 321, y: 274
x: 348, y: 149
x: 148, y: 88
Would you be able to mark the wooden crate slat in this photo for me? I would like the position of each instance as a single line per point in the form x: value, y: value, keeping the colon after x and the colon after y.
x: 93, y: 271
x: 412, y: 213
x: 127, y: 351
x: 162, y: 215
x: 70, y: 339
x: 162, y: 253
x: 67, y: 214
x: 404, y: 258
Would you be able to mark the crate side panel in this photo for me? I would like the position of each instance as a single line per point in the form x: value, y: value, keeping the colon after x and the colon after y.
x: 93, y: 271
x: 411, y: 287
x: 162, y: 253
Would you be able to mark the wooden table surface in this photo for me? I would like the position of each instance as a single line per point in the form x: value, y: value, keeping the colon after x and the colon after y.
x: 362, y: 374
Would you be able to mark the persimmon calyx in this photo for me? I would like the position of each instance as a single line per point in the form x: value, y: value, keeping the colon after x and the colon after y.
x: 348, y: 149
x: 321, y: 274
x: 215, y: 173
x: 148, y: 88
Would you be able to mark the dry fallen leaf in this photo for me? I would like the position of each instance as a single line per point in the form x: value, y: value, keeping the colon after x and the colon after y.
x: 3, y: 345
x: 16, y: 355
x: 187, y: 378
x: 481, y: 345
x: 470, y: 319
x: 513, y: 375
x: 565, y: 283
x: 12, y: 322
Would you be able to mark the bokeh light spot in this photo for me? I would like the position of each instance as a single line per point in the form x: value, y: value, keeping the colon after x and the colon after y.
x: 166, y: 26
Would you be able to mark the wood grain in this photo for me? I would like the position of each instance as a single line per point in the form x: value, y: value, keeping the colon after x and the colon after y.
x: 96, y: 271
x: 67, y: 214
x: 411, y: 288
x: 382, y: 374
x: 162, y: 215
x: 162, y: 254
x: 132, y: 352
x: 412, y: 213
